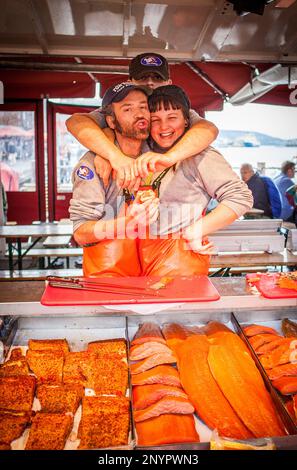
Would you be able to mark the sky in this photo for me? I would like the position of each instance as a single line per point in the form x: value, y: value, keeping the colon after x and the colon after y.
x: 277, y: 121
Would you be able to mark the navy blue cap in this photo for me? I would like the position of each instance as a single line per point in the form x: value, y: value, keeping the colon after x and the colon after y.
x: 118, y: 92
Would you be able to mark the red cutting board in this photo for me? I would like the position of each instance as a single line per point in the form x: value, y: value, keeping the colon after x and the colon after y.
x: 181, y: 289
x: 268, y: 288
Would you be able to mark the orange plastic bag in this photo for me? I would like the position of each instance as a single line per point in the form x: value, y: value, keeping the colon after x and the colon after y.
x: 170, y: 257
x: 112, y: 258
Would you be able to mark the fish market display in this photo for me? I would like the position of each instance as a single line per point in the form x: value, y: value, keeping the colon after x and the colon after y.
x: 277, y: 354
x: 58, y: 384
x: 162, y: 411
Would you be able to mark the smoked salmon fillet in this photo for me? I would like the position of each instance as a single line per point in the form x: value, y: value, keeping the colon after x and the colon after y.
x: 166, y: 429
x: 283, y: 354
x: 203, y: 391
x: 295, y: 405
x: 285, y: 370
x: 175, y: 333
x: 286, y: 385
x: 148, y: 331
x: 214, y: 327
x: 258, y: 340
x: 141, y: 351
x: 167, y: 404
x: 252, y: 330
x: 146, y: 395
x: 165, y: 375
x: 239, y: 379
x: 269, y: 347
x: 152, y: 361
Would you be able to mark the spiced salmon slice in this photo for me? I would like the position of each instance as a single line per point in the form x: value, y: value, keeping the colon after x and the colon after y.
x: 166, y: 429
x: 203, y: 391
x: 146, y: 395
x: 141, y: 351
x: 148, y: 331
x: 165, y: 375
x: 252, y: 330
x: 167, y: 404
x: 152, y: 361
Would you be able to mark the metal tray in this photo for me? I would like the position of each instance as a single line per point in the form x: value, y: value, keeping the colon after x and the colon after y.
x: 78, y: 332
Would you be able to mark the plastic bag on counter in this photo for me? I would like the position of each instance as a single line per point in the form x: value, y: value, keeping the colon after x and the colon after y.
x: 224, y: 443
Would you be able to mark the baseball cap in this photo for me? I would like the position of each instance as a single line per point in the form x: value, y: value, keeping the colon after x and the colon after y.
x: 148, y: 63
x: 171, y: 91
x: 118, y: 92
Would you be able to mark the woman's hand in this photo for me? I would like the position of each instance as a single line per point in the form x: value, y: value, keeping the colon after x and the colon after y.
x: 195, y: 240
x: 151, y: 162
x: 145, y: 213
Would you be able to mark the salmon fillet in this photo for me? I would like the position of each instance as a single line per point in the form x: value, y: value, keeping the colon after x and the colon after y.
x: 167, y: 404
x: 146, y: 395
x: 141, y: 351
x: 166, y: 375
x: 295, y: 405
x: 109, y: 346
x: 252, y: 330
x: 286, y: 385
x: 152, y: 361
x: 46, y: 365
x: 166, y: 429
x: 269, y: 347
x: 281, y: 355
x: 148, y: 331
x: 204, y: 392
x: 285, y: 370
x: 14, y: 367
x: 214, y: 327
x: 175, y: 333
x: 60, y: 398
x: 239, y: 379
x: 258, y: 340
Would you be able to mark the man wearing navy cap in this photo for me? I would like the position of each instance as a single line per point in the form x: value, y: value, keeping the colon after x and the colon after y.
x: 151, y: 70
x: 96, y: 210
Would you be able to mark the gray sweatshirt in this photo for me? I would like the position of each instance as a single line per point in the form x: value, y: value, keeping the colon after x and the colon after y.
x: 184, y: 192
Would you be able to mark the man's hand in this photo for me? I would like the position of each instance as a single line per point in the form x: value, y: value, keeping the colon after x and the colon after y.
x: 151, y: 161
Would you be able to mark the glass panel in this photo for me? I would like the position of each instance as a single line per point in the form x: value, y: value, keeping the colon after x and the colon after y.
x: 68, y: 152
x: 17, y: 150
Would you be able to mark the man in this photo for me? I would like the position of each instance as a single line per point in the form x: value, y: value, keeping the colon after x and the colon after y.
x: 150, y: 70
x: 100, y: 224
x: 283, y: 182
x: 258, y: 188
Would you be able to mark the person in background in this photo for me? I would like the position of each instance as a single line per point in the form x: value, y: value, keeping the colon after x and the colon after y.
x: 283, y: 182
x: 90, y: 129
x: 258, y: 188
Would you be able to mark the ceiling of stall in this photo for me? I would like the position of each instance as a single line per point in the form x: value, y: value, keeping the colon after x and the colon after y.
x: 181, y: 30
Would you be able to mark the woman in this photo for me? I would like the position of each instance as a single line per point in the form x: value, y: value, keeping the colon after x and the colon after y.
x: 184, y: 192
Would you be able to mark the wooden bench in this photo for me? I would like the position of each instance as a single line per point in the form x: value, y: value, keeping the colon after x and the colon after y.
x: 41, y: 274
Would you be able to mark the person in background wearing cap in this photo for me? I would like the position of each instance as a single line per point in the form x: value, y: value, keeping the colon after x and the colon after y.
x: 100, y: 223
x: 184, y: 193
x: 150, y: 70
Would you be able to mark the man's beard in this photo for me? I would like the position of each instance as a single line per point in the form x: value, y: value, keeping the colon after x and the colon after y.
x: 129, y: 131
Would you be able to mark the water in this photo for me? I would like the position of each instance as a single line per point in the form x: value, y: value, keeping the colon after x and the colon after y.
x: 271, y: 156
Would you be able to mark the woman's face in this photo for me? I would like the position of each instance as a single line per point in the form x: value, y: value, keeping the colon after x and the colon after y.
x: 167, y: 126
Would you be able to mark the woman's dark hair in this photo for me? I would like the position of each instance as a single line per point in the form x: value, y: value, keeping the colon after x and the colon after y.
x: 169, y: 96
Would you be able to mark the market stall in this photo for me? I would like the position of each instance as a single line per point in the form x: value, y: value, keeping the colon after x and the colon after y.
x: 25, y: 319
